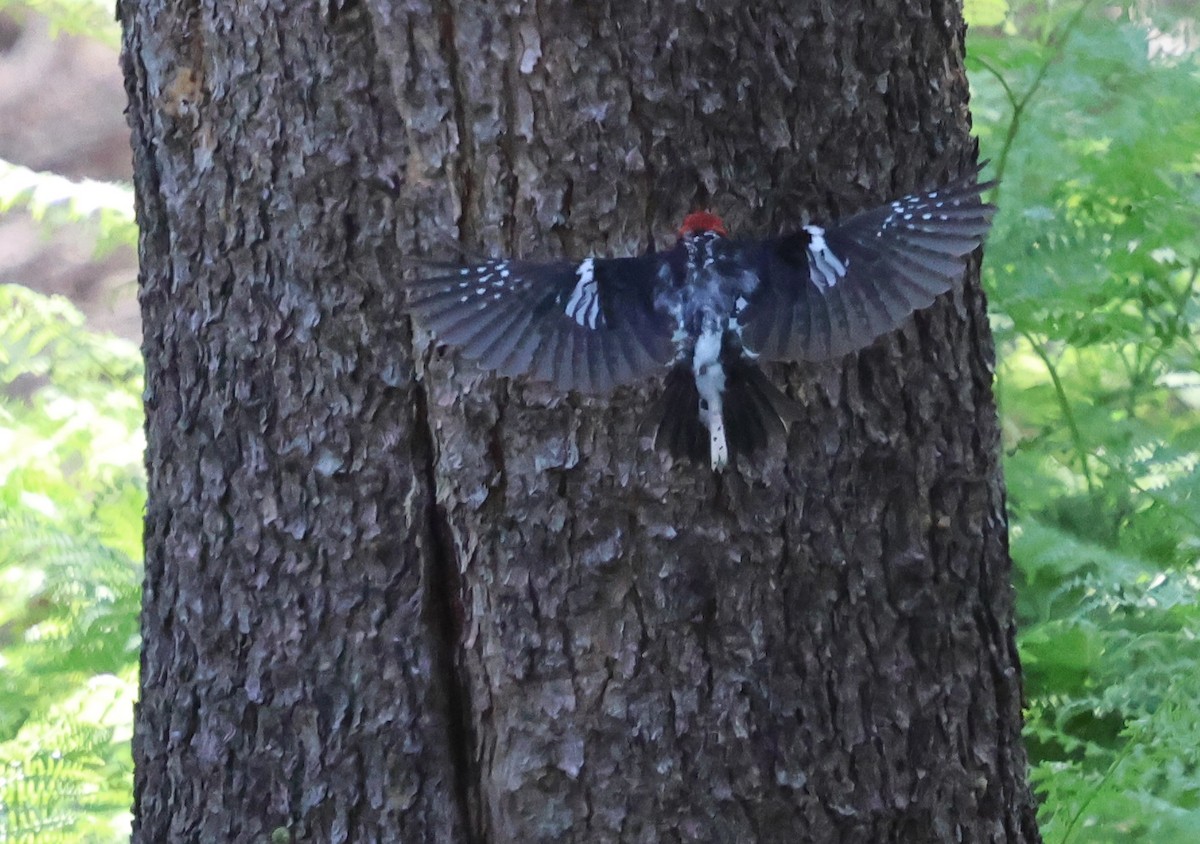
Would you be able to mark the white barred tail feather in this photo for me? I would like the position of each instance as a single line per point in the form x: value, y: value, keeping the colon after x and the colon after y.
x: 756, y: 413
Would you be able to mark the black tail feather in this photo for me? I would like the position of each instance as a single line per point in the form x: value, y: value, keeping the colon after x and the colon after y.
x: 680, y: 430
x: 756, y: 412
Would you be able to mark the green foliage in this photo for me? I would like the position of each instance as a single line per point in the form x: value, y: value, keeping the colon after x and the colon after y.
x: 93, y: 18
x: 60, y: 201
x: 1092, y: 274
x: 105, y: 207
x: 71, y: 499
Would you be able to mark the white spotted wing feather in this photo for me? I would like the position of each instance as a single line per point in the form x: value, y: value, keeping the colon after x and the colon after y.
x: 586, y: 326
x: 828, y: 291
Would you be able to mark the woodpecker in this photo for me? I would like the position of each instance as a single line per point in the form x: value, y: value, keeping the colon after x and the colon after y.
x: 706, y: 311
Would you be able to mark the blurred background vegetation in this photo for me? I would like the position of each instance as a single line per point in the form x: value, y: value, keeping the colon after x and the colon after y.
x: 1090, y: 112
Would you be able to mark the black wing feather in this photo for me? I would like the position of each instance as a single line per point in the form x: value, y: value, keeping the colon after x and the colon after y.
x: 587, y: 326
x: 825, y: 292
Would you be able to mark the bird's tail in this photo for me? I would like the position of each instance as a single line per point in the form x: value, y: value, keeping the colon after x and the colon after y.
x: 756, y: 413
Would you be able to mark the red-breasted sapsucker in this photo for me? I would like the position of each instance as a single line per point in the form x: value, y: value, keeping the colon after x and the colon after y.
x: 705, y: 311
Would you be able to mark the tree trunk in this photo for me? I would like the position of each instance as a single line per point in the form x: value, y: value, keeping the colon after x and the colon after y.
x: 390, y: 598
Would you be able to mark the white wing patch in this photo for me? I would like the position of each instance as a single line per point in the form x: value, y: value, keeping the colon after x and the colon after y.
x: 584, y: 305
x: 825, y: 268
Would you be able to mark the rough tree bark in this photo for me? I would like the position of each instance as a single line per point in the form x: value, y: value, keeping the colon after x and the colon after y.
x: 388, y: 598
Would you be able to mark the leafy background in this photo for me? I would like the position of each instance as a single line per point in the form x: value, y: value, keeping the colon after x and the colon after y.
x: 1090, y: 114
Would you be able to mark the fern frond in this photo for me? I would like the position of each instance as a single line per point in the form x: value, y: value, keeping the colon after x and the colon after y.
x: 58, y: 200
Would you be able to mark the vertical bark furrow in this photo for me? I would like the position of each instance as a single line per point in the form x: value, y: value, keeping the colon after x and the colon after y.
x: 460, y: 169
x: 446, y: 615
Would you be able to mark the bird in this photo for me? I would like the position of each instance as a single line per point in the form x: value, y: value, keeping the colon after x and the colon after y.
x: 705, y: 313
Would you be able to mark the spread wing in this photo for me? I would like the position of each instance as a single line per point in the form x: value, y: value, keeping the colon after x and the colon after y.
x: 826, y: 292
x: 586, y: 326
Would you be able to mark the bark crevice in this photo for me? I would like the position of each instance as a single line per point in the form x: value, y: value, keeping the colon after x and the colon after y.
x: 461, y: 171
x: 444, y: 613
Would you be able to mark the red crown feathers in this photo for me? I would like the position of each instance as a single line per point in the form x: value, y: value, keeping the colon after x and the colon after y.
x: 702, y: 221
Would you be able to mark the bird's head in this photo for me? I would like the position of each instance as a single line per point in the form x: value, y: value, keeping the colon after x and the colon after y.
x: 699, y: 222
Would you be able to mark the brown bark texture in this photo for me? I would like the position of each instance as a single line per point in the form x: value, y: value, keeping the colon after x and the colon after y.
x: 390, y: 598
